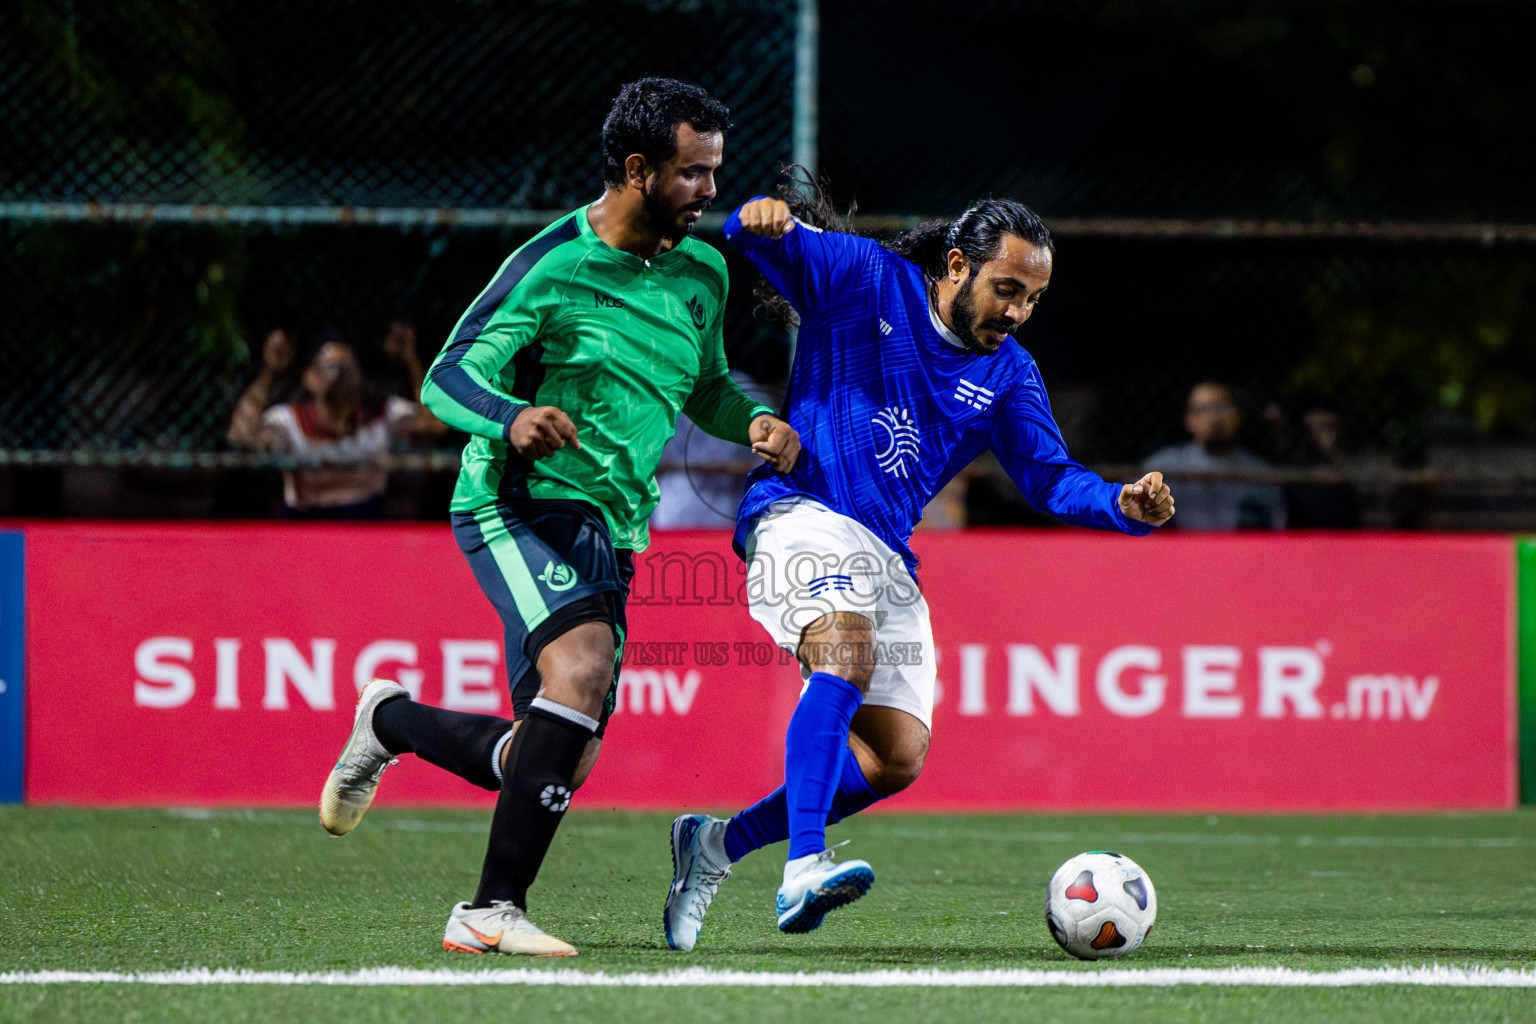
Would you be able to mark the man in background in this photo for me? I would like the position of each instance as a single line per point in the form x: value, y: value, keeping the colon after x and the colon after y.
x: 1320, y: 504
x: 699, y: 477
x: 1212, y: 417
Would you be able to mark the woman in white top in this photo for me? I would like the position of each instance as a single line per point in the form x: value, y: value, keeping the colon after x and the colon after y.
x: 331, y: 421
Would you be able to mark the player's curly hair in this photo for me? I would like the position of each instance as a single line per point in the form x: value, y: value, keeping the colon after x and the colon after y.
x: 978, y: 233
x: 644, y: 119
x: 809, y: 197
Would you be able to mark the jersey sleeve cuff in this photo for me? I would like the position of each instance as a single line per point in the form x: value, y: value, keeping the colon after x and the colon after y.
x: 517, y: 408
x: 1134, y: 527
x: 733, y: 222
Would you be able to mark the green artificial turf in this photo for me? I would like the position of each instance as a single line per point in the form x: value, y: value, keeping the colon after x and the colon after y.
x: 135, y: 891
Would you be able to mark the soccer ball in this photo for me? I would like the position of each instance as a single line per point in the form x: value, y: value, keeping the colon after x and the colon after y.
x: 1100, y: 905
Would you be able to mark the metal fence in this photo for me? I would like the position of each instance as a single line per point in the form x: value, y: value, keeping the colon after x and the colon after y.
x: 176, y: 179
x: 397, y: 103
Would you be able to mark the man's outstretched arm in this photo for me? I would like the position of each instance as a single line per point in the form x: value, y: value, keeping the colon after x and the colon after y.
x: 1029, y: 445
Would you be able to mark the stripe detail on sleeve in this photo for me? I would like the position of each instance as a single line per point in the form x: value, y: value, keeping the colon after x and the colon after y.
x: 447, y: 374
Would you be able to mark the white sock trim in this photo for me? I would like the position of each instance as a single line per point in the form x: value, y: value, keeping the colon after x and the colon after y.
x: 712, y: 839
x: 559, y: 710
x: 501, y: 745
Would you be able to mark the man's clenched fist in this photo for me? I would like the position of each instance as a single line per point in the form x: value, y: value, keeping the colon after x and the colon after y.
x: 1148, y: 500
x: 541, y: 430
x: 775, y: 442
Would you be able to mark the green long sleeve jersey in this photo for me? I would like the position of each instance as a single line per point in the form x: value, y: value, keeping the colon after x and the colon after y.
x: 619, y: 343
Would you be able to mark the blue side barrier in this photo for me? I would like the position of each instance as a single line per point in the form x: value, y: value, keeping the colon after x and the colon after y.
x: 12, y: 688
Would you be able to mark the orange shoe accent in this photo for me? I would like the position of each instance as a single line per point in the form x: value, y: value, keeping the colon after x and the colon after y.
x: 459, y: 947
x: 488, y: 940
x: 571, y: 953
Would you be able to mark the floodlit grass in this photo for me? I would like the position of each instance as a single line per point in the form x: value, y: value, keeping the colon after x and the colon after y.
x: 134, y: 891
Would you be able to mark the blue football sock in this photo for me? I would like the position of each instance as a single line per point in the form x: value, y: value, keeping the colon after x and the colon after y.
x: 767, y: 821
x: 813, y: 757
x: 853, y: 792
x: 814, y: 749
x: 763, y: 824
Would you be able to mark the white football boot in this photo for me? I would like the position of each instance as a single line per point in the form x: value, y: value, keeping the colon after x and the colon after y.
x: 699, y: 865
x: 502, y: 927
x: 350, y: 787
x: 815, y: 885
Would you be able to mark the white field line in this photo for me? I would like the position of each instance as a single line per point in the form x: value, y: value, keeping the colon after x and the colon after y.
x: 878, y: 830
x: 703, y: 977
x: 1209, y: 839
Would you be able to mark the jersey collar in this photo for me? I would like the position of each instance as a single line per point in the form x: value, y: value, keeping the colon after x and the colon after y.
x: 944, y: 332
x: 627, y: 259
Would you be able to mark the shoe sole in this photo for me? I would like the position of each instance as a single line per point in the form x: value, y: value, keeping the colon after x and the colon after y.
x: 666, y: 910
x: 459, y: 947
x: 821, y: 901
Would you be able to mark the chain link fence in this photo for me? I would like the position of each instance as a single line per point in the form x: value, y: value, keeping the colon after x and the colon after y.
x: 396, y: 103
x: 178, y: 179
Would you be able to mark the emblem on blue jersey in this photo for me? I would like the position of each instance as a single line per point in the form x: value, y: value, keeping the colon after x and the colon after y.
x: 558, y: 576
x: 973, y: 395
x: 901, y: 440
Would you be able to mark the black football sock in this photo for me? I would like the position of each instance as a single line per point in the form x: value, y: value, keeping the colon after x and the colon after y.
x: 540, y: 769
x: 467, y: 745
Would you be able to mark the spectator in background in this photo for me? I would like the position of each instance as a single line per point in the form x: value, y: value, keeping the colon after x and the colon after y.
x: 699, y: 479
x: 403, y: 372
x: 1212, y: 418
x: 1319, y: 505
x: 331, y: 420
x: 276, y: 378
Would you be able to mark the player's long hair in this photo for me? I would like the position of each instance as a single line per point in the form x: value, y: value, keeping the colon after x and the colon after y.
x: 978, y: 233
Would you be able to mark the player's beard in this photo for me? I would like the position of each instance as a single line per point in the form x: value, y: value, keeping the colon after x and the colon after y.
x: 668, y: 223
x: 962, y: 315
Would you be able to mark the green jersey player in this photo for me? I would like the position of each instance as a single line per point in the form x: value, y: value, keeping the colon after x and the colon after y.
x: 569, y: 371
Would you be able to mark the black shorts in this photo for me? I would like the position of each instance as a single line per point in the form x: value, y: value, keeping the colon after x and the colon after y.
x: 548, y: 565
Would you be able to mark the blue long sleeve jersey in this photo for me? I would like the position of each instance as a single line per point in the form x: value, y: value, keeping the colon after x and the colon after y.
x: 889, y: 409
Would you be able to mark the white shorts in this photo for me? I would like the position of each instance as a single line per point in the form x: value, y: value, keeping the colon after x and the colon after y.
x: 805, y: 561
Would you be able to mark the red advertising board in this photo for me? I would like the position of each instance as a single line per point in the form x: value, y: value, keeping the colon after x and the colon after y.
x: 215, y: 664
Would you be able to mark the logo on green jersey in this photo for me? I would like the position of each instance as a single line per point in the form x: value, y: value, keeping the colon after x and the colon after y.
x: 558, y: 576
x: 601, y: 301
x: 696, y: 312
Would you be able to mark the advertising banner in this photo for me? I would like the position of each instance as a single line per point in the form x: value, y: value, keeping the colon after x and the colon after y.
x: 219, y: 664
x: 1525, y: 606
x: 12, y: 678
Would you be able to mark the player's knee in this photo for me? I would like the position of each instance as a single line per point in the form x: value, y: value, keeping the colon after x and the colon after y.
x: 578, y: 674
x: 858, y: 673
x: 582, y: 686
x: 842, y: 644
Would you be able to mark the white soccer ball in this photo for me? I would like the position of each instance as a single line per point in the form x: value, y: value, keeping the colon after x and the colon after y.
x: 1100, y: 905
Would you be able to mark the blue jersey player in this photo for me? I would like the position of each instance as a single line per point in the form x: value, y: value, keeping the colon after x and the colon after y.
x: 905, y: 371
